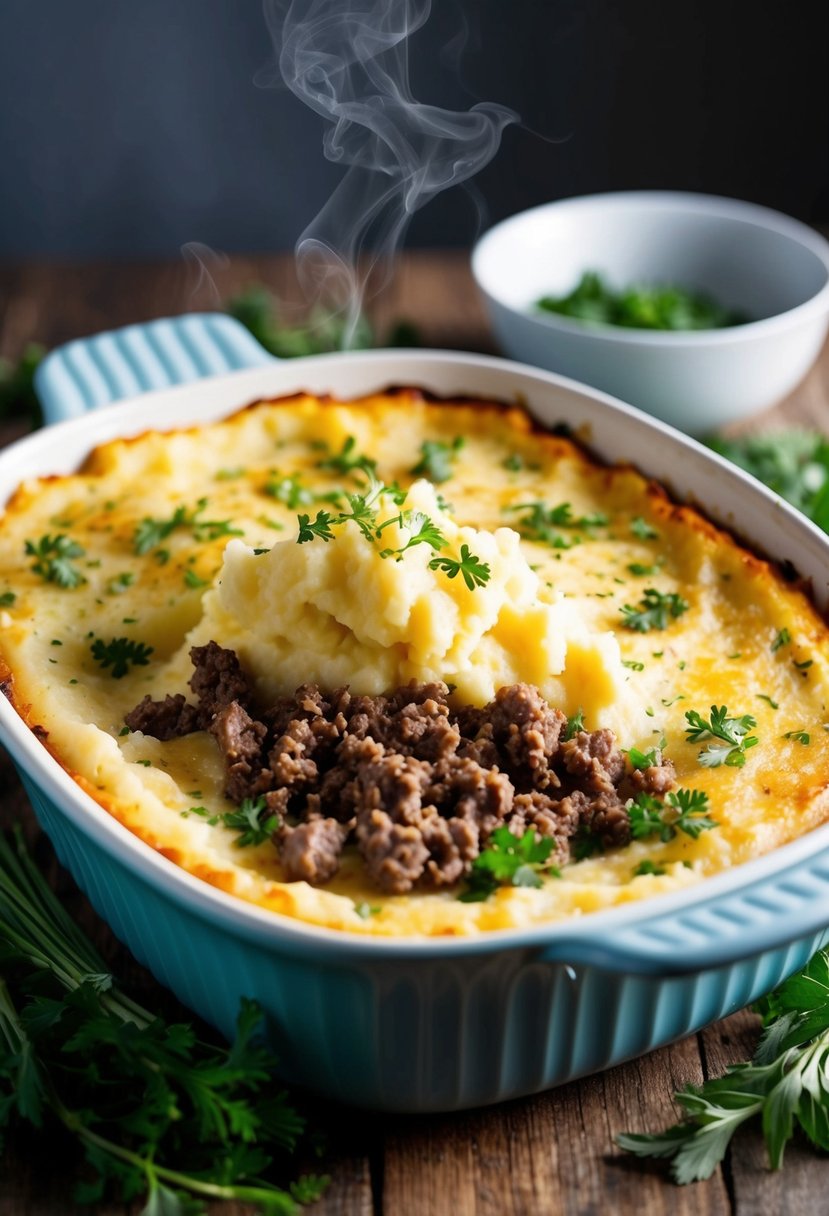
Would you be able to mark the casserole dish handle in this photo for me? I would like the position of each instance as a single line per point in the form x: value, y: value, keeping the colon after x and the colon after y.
x: 88, y: 373
x: 714, y: 934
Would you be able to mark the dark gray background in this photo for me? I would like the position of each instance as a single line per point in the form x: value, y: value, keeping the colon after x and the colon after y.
x: 128, y: 127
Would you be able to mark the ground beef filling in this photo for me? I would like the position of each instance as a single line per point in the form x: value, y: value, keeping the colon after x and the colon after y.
x: 417, y: 786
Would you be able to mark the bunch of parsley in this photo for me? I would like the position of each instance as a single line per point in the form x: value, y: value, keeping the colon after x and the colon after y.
x: 158, y: 1113
x: 785, y: 1085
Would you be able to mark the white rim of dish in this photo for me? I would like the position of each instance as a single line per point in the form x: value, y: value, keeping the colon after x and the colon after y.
x: 236, y: 913
x: 752, y: 214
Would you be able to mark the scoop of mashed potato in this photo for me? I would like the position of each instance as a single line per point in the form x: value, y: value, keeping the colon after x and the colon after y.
x: 340, y: 612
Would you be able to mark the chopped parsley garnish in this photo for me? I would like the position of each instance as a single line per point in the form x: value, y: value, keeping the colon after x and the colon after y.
x: 149, y: 533
x: 654, y: 611
x: 192, y: 579
x: 119, y: 584
x: 633, y: 664
x: 642, y: 760
x: 437, y: 458
x: 783, y: 638
x: 730, y: 731
x: 643, y: 571
x: 54, y: 559
x: 513, y: 463
x: 291, y: 492
x: 474, y: 572
x: 761, y: 696
x: 230, y: 474
x: 682, y: 811
x: 512, y: 861
x: 7, y: 599
x: 641, y: 528
x: 648, y: 867
x: 120, y: 654
x: 252, y: 820
x: 347, y: 460
x: 575, y: 724
x: 542, y: 524
x: 799, y: 736
x: 364, y: 910
x: 804, y: 666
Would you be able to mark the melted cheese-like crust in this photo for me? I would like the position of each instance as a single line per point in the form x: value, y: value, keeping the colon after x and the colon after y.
x: 722, y: 650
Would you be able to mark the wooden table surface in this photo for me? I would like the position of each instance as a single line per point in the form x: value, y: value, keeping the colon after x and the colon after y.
x: 548, y: 1155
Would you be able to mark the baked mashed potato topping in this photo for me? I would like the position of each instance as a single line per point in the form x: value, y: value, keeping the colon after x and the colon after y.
x: 109, y: 577
x: 339, y: 612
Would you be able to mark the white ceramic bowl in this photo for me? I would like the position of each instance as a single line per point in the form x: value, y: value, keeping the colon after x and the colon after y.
x: 759, y: 262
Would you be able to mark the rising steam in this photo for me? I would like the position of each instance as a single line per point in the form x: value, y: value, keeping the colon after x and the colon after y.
x: 348, y: 60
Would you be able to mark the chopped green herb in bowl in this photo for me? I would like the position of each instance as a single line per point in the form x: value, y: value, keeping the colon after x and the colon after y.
x: 640, y: 306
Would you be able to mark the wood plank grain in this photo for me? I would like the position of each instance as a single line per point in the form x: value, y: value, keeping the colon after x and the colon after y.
x: 552, y: 1155
x: 799, y: 1188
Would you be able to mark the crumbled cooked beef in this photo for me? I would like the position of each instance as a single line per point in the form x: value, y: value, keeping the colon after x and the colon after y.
x: 217, y: 679
x: 608, y: 820
x: 527, y: 729
x: 657, y: 779
x: 595, y: 759
x: 553, y: 818
x: 394, y: 853
x: 167, y: 719
x: 311, y: 851
x: 461, y: 787
x: 452, y: 844
x: 418, y: 786
x: 238, y: 736
x: 240, y: 741
x: 290, y: 757
x: 395, y: 784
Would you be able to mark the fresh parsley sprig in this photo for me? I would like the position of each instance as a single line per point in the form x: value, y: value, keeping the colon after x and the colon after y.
x: 731, y: 732
x: 363, y: 512
x: 157, y: 1112
x: 654, y: 611
x: 437, y: 458
x: 120, y: 654
x: 682, y: 811
x: 513, y: 861
x: 474, y: 572
x: 54, y: 556
x: 786, y: 1084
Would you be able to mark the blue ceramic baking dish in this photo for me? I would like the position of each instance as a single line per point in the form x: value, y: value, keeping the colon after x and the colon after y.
x: 418, y: 1025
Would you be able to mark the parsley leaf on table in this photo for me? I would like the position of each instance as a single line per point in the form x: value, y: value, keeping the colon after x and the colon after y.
x: 732, y: 733
x: 786, y: 1084
x: 158, y: 1112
